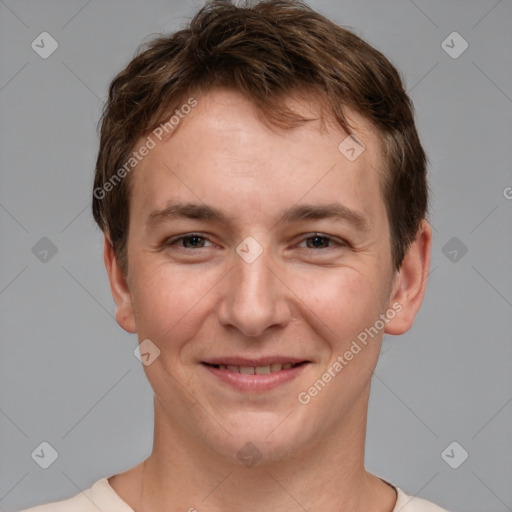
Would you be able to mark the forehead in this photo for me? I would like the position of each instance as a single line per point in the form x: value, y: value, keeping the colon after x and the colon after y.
x: 222, y: 152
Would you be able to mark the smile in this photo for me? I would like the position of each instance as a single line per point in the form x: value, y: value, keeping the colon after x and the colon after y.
x: 256, y: 377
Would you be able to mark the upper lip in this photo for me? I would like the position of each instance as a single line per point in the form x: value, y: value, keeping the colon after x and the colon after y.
x: 262, y: 361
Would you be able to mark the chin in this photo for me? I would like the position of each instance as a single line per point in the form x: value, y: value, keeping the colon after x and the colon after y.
x: 258, y: 439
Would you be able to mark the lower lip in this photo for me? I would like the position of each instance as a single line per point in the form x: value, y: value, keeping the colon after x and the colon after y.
x: 264, y: 382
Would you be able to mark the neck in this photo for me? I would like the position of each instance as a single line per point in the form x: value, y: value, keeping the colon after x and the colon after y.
x: 329, y: 475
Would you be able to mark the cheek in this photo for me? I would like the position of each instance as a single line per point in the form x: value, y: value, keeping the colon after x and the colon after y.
x: 341, y: 303
x: 168, y: 303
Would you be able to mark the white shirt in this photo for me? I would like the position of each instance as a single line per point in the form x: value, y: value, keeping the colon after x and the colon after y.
x: 101, y: 496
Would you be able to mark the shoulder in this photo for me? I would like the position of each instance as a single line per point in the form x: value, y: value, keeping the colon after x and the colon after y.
x: 99, y: 496
x: 406, y: 503
x: 78, y: 503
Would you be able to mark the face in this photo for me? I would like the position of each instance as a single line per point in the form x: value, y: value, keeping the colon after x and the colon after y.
x: 257, y: 257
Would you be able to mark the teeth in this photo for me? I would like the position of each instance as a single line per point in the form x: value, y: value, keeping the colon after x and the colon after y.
x: 256, y: 370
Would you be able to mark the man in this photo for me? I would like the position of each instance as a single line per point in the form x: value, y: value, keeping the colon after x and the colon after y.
x: 262, y: 191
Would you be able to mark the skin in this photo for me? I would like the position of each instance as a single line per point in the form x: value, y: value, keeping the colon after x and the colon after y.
x: 202, y: 300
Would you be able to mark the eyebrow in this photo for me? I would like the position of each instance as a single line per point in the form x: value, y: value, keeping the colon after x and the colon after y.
x: 295, y: 214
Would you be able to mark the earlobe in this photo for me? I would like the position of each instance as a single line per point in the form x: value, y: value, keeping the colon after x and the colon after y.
x: 119, y: 288
x: 410, y: 282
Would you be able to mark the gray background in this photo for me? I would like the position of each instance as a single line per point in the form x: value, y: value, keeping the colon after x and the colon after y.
x: 68, y: 375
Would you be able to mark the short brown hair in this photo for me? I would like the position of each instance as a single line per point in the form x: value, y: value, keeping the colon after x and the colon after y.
x: 266, y: 52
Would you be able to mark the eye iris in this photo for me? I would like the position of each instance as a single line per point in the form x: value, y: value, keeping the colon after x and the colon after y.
x: 195, y: 238
x: 318, y: 241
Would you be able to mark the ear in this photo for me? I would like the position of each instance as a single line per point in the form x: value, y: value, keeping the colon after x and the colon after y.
x: 120, y: 290
x: 410, y: 282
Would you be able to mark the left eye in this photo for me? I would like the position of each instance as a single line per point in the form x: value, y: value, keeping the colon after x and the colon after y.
x: 319, y: 242
x: 192, y: 241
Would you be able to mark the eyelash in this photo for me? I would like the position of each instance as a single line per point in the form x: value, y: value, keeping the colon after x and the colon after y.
x: 174, y: 241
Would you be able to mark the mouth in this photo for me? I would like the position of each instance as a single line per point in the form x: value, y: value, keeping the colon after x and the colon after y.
x: 257, y: 370
x: 255, y: 375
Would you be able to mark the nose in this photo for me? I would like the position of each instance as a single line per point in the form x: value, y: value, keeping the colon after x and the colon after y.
x: 255, y: 298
